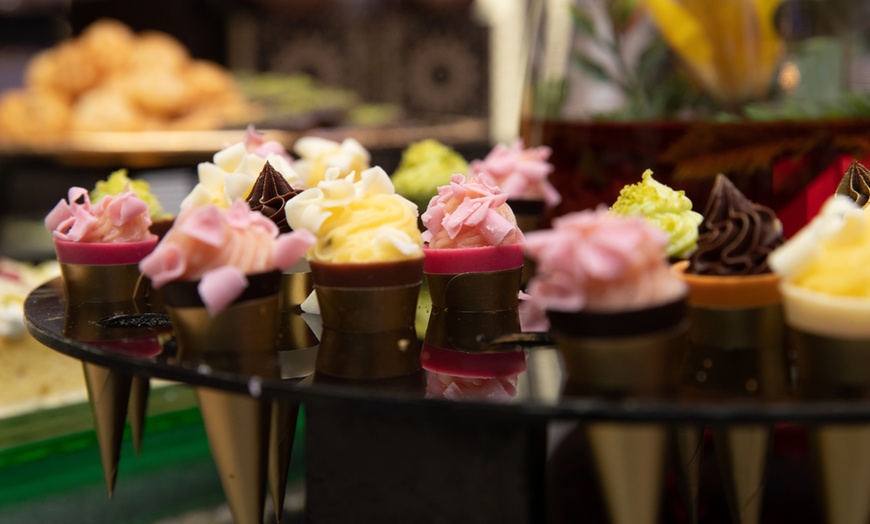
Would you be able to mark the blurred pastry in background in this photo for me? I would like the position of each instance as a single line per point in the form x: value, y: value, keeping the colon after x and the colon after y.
x: 112, y: 79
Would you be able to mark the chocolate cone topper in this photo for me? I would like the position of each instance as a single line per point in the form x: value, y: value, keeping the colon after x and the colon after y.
x: 736, y: 235
x: 855, y: 184
x: 270, y: 193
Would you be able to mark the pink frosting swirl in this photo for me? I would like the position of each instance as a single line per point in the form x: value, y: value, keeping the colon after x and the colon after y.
x: 597, y: 261
x: 256, y: 143
x: 219, y: 247
x: 521, y: 172
x: 470, y: 213
x: 114, y: 219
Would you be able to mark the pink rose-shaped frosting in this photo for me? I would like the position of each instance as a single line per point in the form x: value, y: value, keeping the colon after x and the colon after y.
x: 114, y: 219
x: 219, y: 247
x: 521, y: 172
x: 597, y: 261
x: 470, y: 213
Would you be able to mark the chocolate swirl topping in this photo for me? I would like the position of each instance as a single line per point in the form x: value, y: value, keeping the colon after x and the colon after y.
x: 855, y: 184
x: 736, y: 235
x: 270, y: 193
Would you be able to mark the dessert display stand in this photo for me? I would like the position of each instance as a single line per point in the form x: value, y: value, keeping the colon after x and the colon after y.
x: 403, y: 450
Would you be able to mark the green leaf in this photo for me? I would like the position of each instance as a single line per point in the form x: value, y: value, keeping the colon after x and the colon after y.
x: 592, y: 68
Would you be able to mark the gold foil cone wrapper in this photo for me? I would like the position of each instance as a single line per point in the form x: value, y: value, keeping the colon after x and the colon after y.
x: 137, y: 410
x: 469, y: 331
x: 242, y: 338
x: 108, y: 393
x: 741, y: 453
x: 293, y: 332
x: 85, y: 283
x: 640, y: 366
x: 380, y: 355
x: 629, y: 459
x: 737, y: 335
x: 477, y: 291
x: 237, y: 427
x: 831, y: 368
x: 368, y: 330
x: 282, y: 432
x: 686, y: 442
x: 841, y: 454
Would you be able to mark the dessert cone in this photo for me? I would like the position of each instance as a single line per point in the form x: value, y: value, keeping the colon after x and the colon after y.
x: 296, y: 285
x: 237, y: 425
x: 737, y: 349
x: 137, y: 409
x: 626, y: 354
x: 629, y: 459
x: 474, y: 279
x: 108, y: 392
x: 829, y: 336
x: 281, y: 435
x: 741, y: 452
x: 687, y: 449
x: 100, y: 280
x: 368, y: 313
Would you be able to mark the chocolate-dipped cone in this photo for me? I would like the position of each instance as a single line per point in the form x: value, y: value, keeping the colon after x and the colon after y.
x: 474, y: 279
x: 237, y: 425
x: 281, y: 435
x: 137, y: 409
x: 741, y: 452
x: 108, y: 392
x: 629, y: 459
x: 368, y: 313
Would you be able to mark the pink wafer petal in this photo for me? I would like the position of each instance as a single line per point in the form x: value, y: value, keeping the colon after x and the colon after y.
x: 219, y: 287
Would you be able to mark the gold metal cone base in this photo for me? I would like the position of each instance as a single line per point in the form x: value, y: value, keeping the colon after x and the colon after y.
x: 842, y: 453
x: 741, y: 453
x: 137, y: 409
x: 630, y: 461
x: 237, y: 427
x: 281, y: 434
x: 109, y: 393
x: 687, y: 448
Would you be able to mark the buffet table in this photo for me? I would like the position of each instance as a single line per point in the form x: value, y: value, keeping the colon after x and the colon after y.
x: 412, y: 450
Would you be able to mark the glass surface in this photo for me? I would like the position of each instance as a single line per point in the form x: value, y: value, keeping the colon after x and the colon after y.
x: 533, y: 393
x: 772, y: 93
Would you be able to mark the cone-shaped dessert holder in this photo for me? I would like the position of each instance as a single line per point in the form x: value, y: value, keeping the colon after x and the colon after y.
x: 237, y: 424
x: 620, y: 355
x: 737, y: 349
x: 829, y: 368
x: 281, y: 435
x: 741, y: 452
x: 368, y: 313
x: 686, y: 444
x: 140, y: 388
x: 94, y: 292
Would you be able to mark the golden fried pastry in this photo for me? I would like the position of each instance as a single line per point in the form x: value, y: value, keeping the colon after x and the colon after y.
x: 158, y: 51
x: 108, y: 42
x: 108, y: 108
x: 25, y: 114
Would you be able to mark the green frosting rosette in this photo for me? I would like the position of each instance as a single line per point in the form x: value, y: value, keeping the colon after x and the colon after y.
x: 118, y: 181
x: 666, y: 208
x: 425, y: 166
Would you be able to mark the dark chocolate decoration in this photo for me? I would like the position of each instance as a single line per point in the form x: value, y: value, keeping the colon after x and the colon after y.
x: 376, y: 274
x: 855, y: 184
x: 270, y: 194
x: 620, y: 323
x: 736, y: 235
x: 182, y: 293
